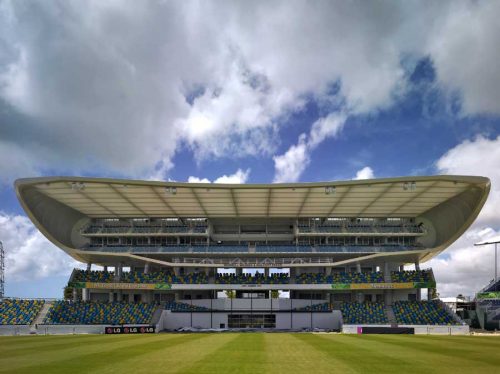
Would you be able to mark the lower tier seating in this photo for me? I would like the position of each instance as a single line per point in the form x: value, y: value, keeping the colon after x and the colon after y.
x: 422, y: 313
x: 364, y: 313
x: 19, y: 312
x: 90, y: 313
x: 176, y: 306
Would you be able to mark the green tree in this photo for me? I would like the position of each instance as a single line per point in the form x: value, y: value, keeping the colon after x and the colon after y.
x: 231, y: 294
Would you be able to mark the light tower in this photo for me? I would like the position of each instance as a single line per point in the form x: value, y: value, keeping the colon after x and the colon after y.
x: 2, y: 268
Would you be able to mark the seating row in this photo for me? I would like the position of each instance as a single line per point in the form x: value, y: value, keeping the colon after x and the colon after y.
x: 97, y: 313
x: 19, y: 312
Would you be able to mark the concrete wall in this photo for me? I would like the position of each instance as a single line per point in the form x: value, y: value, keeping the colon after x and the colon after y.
x: 419, y: 329
x: 207, y: 320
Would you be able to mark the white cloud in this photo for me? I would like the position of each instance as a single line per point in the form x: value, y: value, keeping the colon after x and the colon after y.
x: 464, y: 48
x: 326, y: 127
x: 290, y: 165
x: 365, y: 173
x: 29, y: 255
x: 237, y: 178
x: 103, y: 88
x: 240, y: 176
x: 479, y: 156
x: 464, y: 268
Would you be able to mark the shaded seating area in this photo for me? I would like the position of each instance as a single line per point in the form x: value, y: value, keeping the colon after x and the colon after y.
x: 258, y: 278
x: 98, y: 313
x: 412, y: 276
x: 19, y: 312
x: 176, y: 306
x: 322, y: 307
x: 342, y: 277
x: 364, y: 313
x: 140, y: 277
x: 422, y: 313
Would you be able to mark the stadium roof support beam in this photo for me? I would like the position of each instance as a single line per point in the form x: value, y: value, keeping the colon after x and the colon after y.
x: 233, y: 199
x: 127, y: 199
x: 412, y: 198
x: 94, y: 201
x: 380, y: 195
x: 338, y: 202
x: 165, y: 202
x: 197, y: 198
x: 269, y: 197
x: 304, y: 202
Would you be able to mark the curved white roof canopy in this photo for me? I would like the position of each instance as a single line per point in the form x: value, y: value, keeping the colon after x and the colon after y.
x: 59, y: 204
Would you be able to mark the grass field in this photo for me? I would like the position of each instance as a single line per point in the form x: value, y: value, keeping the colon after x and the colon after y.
x: 249, y: 353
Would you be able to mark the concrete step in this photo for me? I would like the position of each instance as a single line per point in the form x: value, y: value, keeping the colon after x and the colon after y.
x: 42, y: 314
x: 390, y: 314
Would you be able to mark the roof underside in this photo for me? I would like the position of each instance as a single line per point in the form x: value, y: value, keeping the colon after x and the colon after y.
x: 394, y: 197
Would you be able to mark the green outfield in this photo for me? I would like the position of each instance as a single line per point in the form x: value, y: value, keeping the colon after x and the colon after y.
x: 249, y: 353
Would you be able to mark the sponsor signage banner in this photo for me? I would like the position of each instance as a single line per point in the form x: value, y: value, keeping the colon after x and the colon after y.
x: 122, y: 286
x: 488, y: 295
x: 129, y: 330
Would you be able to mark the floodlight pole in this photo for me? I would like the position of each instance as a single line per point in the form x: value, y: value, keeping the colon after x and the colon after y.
x: 496, y: 255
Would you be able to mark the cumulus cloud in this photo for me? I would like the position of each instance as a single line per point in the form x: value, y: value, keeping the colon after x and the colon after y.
x: 240, y: 176
x: 479, y: 156
x: 464, y: 268
x: 290, y: 165
x: 118, y: 87
x: 29, y: 255
x: 365, y: 173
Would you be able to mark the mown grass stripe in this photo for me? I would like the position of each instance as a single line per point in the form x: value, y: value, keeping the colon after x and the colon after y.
x: 287, y: 354
x: 243, y: 354
x: 91, y: 356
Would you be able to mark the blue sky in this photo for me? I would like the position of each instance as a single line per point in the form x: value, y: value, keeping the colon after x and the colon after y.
x: 247, y: 93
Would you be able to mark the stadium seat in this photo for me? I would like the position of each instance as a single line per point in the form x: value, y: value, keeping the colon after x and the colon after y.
x: 19, y: 312
x: 422, y: 313
x: 363, y: 313
x: 98, y: 313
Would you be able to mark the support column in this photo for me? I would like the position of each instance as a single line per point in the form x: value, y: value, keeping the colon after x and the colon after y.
x: 146, y: 268
x: 328, y: 270
x: 358, y: 267
x: 266, y: 272
x: 110, y: 296
x: 89, y: 266
x: 417, y: 265
x: 75, y: 295
x: 85, y: 294
x: 105, y: 269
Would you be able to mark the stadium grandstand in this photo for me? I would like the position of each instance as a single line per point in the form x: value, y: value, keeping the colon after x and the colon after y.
x: 330, y: 255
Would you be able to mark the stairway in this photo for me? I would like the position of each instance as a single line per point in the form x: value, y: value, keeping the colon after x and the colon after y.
x: 390, y: 315
x: 43, y: 313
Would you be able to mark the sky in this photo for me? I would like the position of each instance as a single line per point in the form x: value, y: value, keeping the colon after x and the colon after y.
x: 247, y: 92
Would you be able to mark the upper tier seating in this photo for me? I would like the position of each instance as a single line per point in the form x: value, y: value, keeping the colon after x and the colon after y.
x: 97, y: 313
x: 140, y: 277
x: 412, y: 276
x: 322, y: 307
x: 363, y: 313
x: 422, y: 313
x: 279, y: 278
x: 19, y: 312
x: 176, y: 306
x: 93, y: 276
x: 342, y: 277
